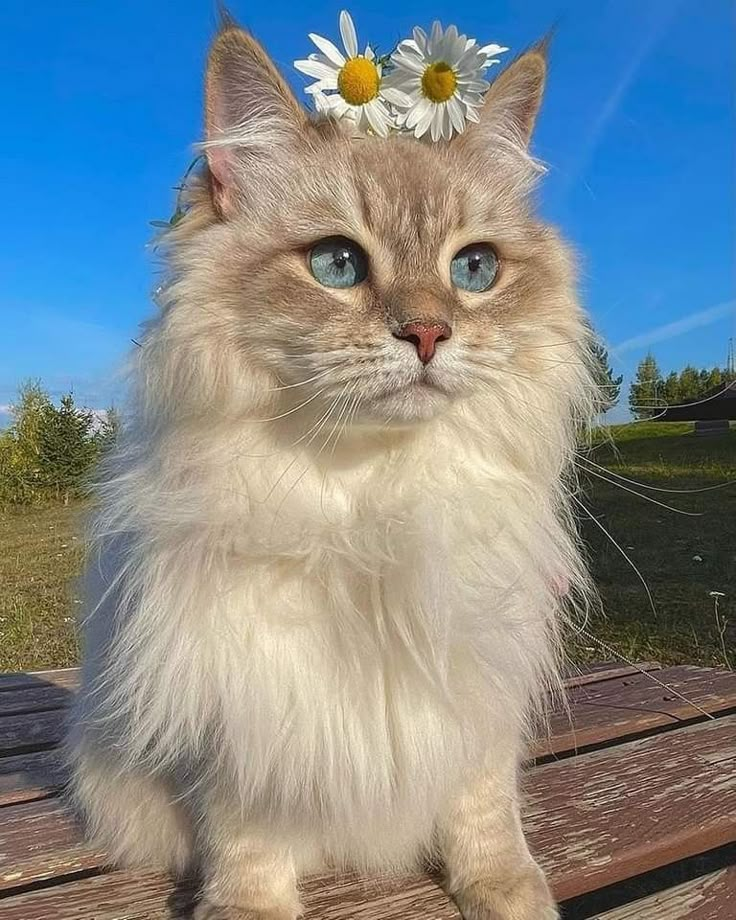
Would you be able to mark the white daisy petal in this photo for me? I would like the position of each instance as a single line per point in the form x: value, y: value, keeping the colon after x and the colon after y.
x: 472, y: 115
x: 456, y: 115
x: 417, y: 112
x: 424, y: 123
x: 369, y: 53
x: 435, y: 37
x: 315, y: 69
x: 347, y: 31
x: 490, y: 50
x: 420, y: 39
x: 474, y: 86
x: 395, y: 96
x: 374, y: 115
x: 328, y: 49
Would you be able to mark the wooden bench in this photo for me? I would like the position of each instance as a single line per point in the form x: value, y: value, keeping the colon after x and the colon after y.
x: 631, y: 807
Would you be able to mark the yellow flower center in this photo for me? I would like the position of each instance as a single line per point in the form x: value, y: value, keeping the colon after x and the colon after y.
x: 358, y: 81
x: 439, y: 82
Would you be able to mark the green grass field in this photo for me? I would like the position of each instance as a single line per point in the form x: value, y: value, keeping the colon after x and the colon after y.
x: 681, y: 558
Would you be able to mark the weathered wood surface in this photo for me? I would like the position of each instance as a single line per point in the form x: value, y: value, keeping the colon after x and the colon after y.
x: 19, y: 680
x: 633, y: 704
x: 712, y: 897
x: 25, y: 777
x: 594, y: 819
x: 624, y: 704
x: 603, y: 817
x: 606, y: 670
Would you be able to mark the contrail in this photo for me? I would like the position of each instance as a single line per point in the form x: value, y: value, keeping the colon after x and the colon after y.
x: 680, y: 326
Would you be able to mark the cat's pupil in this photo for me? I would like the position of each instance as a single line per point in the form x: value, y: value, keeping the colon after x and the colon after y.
x: 342, y: 258
x: 474, y: 263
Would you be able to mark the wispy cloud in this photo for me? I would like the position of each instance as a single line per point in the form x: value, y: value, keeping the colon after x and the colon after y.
x: 678, y: 327
x: 613, y: 101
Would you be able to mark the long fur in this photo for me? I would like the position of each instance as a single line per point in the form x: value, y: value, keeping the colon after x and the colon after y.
x: 313, y: 599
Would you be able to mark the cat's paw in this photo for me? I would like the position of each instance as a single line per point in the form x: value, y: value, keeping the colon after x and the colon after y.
x: 525, y: 896
x: 206, y: 910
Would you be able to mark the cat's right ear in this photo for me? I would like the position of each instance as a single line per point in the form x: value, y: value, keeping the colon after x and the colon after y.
x: 251, y: 117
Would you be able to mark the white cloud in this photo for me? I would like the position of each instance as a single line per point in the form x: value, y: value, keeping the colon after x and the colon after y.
x: 678, y: 327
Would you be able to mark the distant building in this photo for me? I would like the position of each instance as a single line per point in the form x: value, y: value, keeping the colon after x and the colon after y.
x: 717, y: 405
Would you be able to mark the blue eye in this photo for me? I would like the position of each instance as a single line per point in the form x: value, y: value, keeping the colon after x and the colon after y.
x: 474, y: 268
x: 338, y: 263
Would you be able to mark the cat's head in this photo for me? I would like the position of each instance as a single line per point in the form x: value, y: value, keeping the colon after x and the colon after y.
x: 385, y: 278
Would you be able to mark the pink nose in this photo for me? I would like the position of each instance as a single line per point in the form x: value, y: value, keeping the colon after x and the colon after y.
x: 424, y: 336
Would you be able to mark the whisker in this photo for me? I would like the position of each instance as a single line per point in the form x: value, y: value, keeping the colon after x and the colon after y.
x: 621, y: 550
x: 648, y: 674
x: 643, y: 485
x: 646, y: 498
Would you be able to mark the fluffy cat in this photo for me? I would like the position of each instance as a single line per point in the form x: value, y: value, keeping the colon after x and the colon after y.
x: 326, y: 597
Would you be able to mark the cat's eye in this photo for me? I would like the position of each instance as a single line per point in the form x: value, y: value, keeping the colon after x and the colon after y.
x: 337, y: 262
x: 475, y: 267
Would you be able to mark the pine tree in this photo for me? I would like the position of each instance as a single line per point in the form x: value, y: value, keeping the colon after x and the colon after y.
x: 671, y: 389
x: 715, y: 379
x: 689, y: 383
x: 109, y: 430
x: 647, y: 389
x: 609, y: 387
x: 67, y: 448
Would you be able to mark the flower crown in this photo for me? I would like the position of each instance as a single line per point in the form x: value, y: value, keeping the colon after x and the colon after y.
x: 429, y: 84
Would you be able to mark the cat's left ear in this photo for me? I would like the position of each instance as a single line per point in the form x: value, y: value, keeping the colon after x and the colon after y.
x: 512, y: 103
x: 251, y: 117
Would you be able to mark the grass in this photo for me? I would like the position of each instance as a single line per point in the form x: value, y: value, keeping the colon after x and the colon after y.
x: 682, y: 558
x: 40, y: 556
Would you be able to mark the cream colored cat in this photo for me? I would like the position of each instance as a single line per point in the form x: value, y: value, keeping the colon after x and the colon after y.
x: 325, y: 602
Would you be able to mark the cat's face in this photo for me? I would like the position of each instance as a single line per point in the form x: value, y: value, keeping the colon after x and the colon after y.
x: 380, y: 279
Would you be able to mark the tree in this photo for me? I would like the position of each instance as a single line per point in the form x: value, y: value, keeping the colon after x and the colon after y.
x: 109, y: 430
x: 716, y: 379
x: 690, y: 386
x: 609, y: 387
x: 671, y: 389
x: 67, y: 448
x: 647, y: 389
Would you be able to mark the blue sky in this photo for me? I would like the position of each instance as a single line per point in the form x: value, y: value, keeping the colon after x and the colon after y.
x: 102, y: 102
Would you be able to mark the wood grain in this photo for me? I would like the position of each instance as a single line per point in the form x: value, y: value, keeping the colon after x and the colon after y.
x: 631, y: 705
x: 19, y: 680
x: 27, y: 731
x: 712, y: 897
x: 593, y: 820
x: 25, y: 777
x: 603, y: 817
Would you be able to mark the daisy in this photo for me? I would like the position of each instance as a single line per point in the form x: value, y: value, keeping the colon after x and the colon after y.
x: 444, y: 76
x: 351, y: 85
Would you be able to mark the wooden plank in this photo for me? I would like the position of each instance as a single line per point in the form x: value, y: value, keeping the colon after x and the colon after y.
x: 712, y: 897
x: 19, y: 680
x: 606, y: 670
x: 604, y: 817
x: 628, y: 706
x: 617, y: 708
x: 149, y: 896
x: 27, y: 731
x: 26, y: 777
x: 40, y: 840
x: 594, y: 820
x: 34, y: 699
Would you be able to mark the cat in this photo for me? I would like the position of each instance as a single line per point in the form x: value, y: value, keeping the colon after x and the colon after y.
x: 326, y: 598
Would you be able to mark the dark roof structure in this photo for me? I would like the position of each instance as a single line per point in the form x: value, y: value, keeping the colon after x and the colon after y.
x: 718, y: 403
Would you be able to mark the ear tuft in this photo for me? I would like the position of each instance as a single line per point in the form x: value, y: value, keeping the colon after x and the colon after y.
x: 512, y: 103
x: 250, y: 112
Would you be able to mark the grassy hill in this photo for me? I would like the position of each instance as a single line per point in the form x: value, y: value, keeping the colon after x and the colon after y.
x: 682, y: 558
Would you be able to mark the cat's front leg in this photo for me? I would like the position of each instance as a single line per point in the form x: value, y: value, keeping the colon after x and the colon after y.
x: 490, y: 872
x: 249, y: 873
